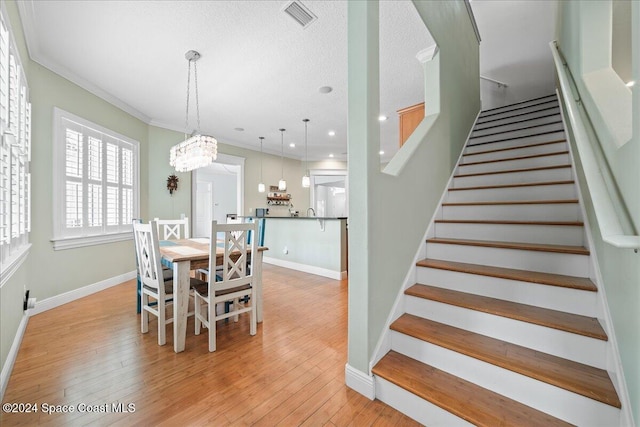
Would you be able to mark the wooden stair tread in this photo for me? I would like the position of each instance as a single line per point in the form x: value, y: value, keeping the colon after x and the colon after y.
x: 551, y: 107
x: 566, y: 249
x: 515, y: 137
x: 578, y: 378
x: 538, y: 98
x: 513, y: 171
x: 497, y: 150
x: 462, y: 398
x: 487, y: 113
x: 512, y: 202
x: 515, y: 130
x: 532, y: 156
x: 517, y: 121
x: 568, y: 322
x: 512, y: 274
x: 479, y: 221
x: 526, y: 184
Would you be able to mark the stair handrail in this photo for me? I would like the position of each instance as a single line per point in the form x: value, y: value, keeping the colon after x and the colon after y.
x: 610, y: 225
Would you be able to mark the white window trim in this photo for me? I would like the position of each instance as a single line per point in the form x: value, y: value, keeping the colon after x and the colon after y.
x: 59, y: 240
x: 14, y: 250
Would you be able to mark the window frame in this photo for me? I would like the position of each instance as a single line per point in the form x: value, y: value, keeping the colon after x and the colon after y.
x: 15, y: 155
x: 69, y: 238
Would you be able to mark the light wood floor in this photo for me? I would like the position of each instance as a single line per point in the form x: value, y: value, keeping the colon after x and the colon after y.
x: 91, y: 352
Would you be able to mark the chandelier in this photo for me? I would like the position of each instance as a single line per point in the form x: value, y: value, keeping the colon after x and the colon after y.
x: 198, y: 150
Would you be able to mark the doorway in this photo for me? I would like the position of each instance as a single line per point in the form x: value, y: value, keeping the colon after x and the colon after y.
x: 217, y: 190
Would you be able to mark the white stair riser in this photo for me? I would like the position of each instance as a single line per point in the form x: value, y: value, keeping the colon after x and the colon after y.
x: 514, y: 142
x: 505, y: 165
x: 516, y: 152
x: 529, y: 212
x: 539, y: 395
x: 543, y: 234
x: 515, y: 110
x: 423, y: 411
x: 506, y: 178
x: 589, y: 351
x: 519, y: 124
x: 517, y: 134
x: 546, y: 262
x: 546, y: 296
x: 489, y: 123
x: 512, y: 194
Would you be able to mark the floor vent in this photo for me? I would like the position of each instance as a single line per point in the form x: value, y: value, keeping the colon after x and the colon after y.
x: 300, y: 13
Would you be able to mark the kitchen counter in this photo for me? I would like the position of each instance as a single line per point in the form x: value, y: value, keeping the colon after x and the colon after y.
x: 296, y: 217
x: 317, y: 247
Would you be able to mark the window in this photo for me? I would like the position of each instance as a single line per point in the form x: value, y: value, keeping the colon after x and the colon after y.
x: 96, y: 183
x: 15, y: 155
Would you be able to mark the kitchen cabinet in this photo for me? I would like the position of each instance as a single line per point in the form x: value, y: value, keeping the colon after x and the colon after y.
x: 410, y: 118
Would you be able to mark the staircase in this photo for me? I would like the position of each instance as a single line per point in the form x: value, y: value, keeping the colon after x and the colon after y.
x: 502, y: 325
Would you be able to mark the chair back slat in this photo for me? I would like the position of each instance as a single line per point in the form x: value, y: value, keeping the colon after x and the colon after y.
x: 239, y: 251
x: 172, y: 229
x: 148, y: 253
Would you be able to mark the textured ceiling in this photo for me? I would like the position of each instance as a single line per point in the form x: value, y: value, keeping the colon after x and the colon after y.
x: 259, y: 71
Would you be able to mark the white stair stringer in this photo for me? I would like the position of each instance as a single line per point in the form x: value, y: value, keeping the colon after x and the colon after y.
x: 531, y: 392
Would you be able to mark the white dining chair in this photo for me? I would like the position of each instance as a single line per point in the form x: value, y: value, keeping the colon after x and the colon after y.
x: 233, y: 282
x: 173, y: 229
x: 156, y: 292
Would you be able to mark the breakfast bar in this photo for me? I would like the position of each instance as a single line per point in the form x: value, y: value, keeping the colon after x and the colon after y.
x: 316, y: 245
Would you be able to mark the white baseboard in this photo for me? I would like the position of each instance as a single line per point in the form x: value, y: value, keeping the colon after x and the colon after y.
x: 58, y: 300
x: 360, y: 382
x: 11, y: 357
x: 48, y: 304
x: 331, y: 274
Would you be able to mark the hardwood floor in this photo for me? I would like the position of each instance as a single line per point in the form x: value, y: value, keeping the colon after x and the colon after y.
x: 91, y: 352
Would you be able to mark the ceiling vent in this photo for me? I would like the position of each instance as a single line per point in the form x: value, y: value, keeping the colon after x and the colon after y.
x: 300, y: 13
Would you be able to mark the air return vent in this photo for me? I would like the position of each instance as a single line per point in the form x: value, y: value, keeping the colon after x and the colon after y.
x: 300, y: 13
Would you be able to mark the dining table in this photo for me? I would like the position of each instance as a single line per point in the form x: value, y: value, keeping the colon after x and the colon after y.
x: 185, y: 255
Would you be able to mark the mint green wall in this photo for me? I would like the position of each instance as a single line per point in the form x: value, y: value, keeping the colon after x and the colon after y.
x: 389, y: 214
x: 46, y: 272
x: 620, y: 268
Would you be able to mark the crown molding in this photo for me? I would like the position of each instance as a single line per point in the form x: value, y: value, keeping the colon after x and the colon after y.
x: 29, y: 25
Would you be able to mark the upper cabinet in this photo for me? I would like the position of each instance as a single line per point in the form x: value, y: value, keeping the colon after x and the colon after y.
x: 410, y: 118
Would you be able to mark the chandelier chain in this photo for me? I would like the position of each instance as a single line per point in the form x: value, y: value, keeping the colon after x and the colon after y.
x: 186, y: 117
x: 195, y: 74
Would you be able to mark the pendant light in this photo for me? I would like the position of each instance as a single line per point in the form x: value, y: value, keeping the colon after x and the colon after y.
x: 261, y: 185
x: 198, y: 150
x: 306, y: 181
x: 282, y: 184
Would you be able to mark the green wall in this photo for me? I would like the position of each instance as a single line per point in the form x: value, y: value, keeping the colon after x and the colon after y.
x: 587, y: 54
x: 389, y: 212
x: 46, y: 272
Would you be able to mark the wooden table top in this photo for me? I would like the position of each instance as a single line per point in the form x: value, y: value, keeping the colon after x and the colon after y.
x: 195, y: 250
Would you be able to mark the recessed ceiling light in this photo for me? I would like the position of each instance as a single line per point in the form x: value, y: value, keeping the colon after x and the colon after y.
x: 239, y: 129
x: 631, y: 83
x: 325, y: 89
x: 381, y: 152
x: 382, y: 118
x: 292, y: 145
x: 331, y: 155
x: 332, y: 133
